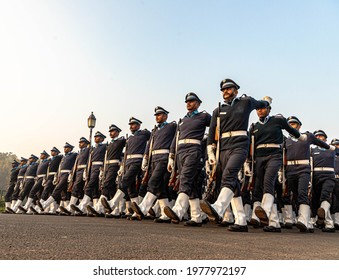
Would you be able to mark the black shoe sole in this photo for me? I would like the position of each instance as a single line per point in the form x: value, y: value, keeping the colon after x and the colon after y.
x: 135, y: 207
x: 261, y: 214
x: 213, y: 216
x: 106, y: 205
x: 172, y: 215
x: 301, y: 227
x: 321, y: 216
x: 65, y: 211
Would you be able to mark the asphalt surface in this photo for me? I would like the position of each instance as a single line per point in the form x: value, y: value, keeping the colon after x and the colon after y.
x: 84, y: 238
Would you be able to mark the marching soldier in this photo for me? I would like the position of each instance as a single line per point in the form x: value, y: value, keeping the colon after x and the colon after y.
x: 47, y: 181
x: 323, y: 183
x: 91, y: 174
x: 268, y: 139
x: 233, y: 143
x: 131, y: 167
x: 335, y: 142
x: 12, y: 181
x: 18, y: 186
x: 110, y: 169
x: 41, y: 174
x: 186, y: 151
x: 27, y: 183
x: 77, y: 183
x: 155, y: 163
x: 298, y: 172
x: 61, y: 178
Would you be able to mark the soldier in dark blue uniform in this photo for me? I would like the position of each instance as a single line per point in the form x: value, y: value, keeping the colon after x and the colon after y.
x: 61, y: 179
x: 91, y: 174
x: 40, y: 175
x: 323, y: 183
x: 18, y: 186
x: 234, y: 144
x: 47, y: 181
x: 131, y: 168
x: 335, y: 142
x: 186, y: 150
x: 12, y: 181
x: 27, y: 183
x: 76, y: 178
x: 110, y: 169
x: 298, y: 172
x: 155, y: 165
x: 268, y: 139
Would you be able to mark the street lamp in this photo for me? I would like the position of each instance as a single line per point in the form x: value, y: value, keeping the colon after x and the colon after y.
x: 91, y: 124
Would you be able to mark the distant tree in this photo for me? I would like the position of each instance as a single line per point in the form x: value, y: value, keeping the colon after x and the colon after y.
x: 5, y: 168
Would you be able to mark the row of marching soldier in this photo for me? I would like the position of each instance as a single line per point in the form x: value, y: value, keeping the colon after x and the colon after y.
x: 233, y: 177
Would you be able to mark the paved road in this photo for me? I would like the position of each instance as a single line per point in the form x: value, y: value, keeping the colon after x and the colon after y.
x: 60, y: 237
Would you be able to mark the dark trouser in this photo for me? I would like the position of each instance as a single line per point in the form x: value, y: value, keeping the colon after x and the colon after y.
x: 78, y: 185
x: 322, y: 189
x: 231, y: 162
x: 36, y: 188
x: 336, y: 192
x: 188, y: 163
x: 109, y: 187
x: 266, y: 170
x: 9, y: 192
x: 158, y: 183
x: 26, y: 188
x: 298, y: 184
x: 246, y: 197
x: 128, y: 186
x: 17, y: 189
x: 92, y: 188
x: 60, y: 187
x: 48, y: 189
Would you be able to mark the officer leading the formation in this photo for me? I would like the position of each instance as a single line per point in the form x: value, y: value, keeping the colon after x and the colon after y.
x: 12, y: 181
x: 228, y: 135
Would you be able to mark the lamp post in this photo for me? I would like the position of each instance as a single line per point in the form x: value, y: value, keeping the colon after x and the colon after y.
x: 91, y: 124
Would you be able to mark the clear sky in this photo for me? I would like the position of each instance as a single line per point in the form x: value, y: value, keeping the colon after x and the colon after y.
x: 62, y: 59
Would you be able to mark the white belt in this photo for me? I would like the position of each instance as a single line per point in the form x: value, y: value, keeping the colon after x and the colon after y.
x: 268, y: 146
x: 29, y: 177
x: 330, y: 169
x: 111, y: 161
x: 337, y: 176
x: 81, y: 166
x: 134, y: 156
x: 65, y: 171
x: 97, y: 163
x: 189, y: 141
x: 234, y: 133
x: 162, y: 151
x: 41, y: 175
x: 295, y: 162
x: 20, y: 177
x: 51, y: 173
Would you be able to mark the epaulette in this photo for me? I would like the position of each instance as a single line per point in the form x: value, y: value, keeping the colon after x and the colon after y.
x: 121, y: 138
x: 174, y: 122
x: 244, y: 96
x: 204, y: 112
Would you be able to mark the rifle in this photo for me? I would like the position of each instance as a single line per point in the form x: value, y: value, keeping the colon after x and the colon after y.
x: 71, y: 175
x: 174, y: 178
x: 284, y: 183
x: 311, y: 179
x: 88, y: 168
x: 103, y: 170
x: 217, y: 134
x: 145, y: 178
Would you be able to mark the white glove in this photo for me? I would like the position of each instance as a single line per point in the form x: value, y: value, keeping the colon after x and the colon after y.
x: 208, y: 168
x: 211, y: 156
x: 332, y: 148
x: 303, y: 137
x: 121, y: 170
x: 170, y: 164
x: 70, y: 177
x: 101, y: 174
x: 247, y: 169
x: 84, y: 175
x: 280, y: 177
x: 240, y: 177
x: 144, y: 163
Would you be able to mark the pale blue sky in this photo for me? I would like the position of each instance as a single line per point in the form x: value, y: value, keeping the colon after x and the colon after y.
x: 60, y: 60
